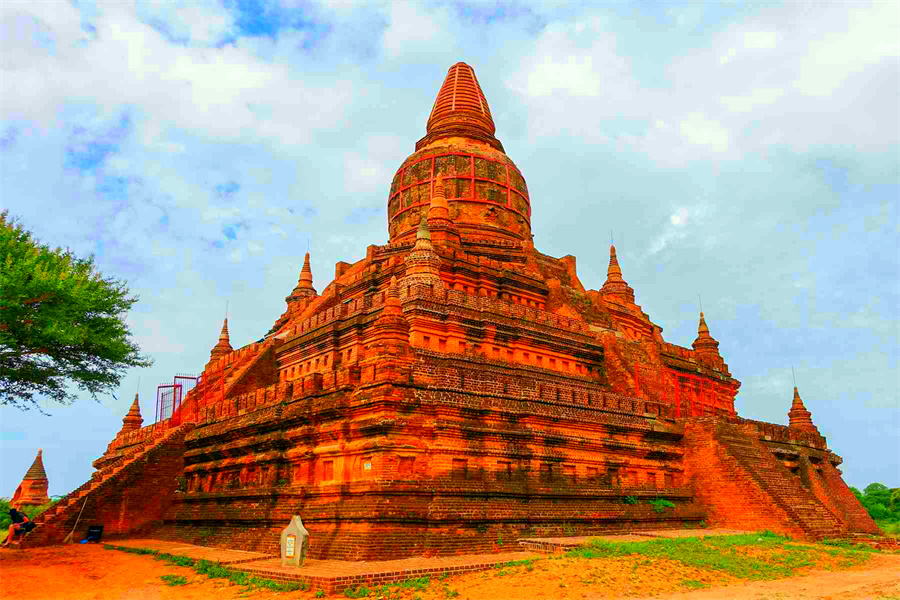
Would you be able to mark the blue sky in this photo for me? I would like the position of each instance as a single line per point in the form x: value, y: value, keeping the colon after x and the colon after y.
x: 743, y: 152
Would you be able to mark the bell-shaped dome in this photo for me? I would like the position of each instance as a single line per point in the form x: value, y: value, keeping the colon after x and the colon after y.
x: 486, y: 195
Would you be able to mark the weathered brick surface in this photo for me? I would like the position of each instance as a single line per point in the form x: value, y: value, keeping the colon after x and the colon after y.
x: 743, y: 485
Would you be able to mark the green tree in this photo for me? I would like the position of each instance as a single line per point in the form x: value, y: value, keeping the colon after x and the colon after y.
x: 61, y: 323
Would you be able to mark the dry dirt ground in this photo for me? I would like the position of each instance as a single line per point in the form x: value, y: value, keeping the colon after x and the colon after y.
x: 92, y: 572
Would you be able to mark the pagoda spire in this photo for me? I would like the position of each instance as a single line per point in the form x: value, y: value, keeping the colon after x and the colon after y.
x: 392, y: 300
x: 423, y: 264
x: 36, y: 470
x: 800, y: 418
x: 705, y: 344
x: 439, y: 209
x: 304, y: 288
x: 223, y: 347
x: 133, y: 420
x: 423, y: 234
x: 615, y: 284
x: 460, y: 110
x: 440, y: 225
x: 33, y: 489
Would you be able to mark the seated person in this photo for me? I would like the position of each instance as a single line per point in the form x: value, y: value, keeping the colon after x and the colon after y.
x: 20, y: 526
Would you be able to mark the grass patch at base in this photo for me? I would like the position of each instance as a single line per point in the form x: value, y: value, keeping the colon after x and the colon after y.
x: 213, y: 570
x: 752, y: 556
x: 174, y: 580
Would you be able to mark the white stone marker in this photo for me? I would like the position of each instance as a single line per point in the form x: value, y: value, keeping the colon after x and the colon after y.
x: 294, y: 543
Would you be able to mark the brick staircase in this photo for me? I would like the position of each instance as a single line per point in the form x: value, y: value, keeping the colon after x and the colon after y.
x: 782, y: 487
x: 54, y: 524
x: 241, y: 366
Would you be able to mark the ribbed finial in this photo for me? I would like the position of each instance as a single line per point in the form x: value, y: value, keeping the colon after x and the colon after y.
x: 36, y: 470
x: 393, y: 290
x: 223, y: 346
x: 703, y: 328
x: 705, y: 345
x: 439, y: 207
x: 392, y: 299
x: 799, y: 417
x: 305, y: 274
x: 614, y: 272
x: 615, y: 284
x: 460, y: 110
x: 133, y: 419
x: 797, y: 402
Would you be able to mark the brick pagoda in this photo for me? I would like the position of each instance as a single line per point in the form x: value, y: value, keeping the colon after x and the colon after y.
x: 33, y: 489
x: 457, y: 389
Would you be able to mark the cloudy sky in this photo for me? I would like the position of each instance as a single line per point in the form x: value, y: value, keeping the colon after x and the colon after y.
x: 745, y: 153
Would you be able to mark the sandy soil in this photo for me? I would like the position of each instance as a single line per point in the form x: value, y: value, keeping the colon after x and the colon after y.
x: 90, y: 572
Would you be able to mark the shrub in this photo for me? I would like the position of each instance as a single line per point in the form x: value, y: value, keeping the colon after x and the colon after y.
x: 629, y: 500
x: 661, y: 504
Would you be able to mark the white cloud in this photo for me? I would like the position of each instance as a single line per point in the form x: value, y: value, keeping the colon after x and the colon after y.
x: 697, y: 129
x: 679, y: 217
x: 415, y: 27
x: 757, y: 98
x: 200, y: 22
x: 578, y: 59
x: 218, y: 213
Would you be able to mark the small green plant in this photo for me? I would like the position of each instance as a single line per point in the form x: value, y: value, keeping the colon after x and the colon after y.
x: 419, y: 584
x: 499, y: 539
x: 281, y: 482
x: 702, y: 524
x: 444, y: 576
x: 320, y: 593
x: 174, y: 580
x: 661, y: 504
x: 357, y: 592
x: 693, y: 584
x: 629, y: 500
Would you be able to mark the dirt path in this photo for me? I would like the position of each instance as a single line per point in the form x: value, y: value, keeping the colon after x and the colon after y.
x: 91, y: 573
x: 88, y: 572
x: 878, y: 580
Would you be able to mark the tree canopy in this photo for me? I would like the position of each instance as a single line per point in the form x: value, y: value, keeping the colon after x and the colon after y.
x: 882, y: 502
x: 61, y: 323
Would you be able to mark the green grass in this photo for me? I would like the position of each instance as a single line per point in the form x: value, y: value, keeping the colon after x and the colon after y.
x: 724, y: 553
x: 214, y: 570
x: 419, y: 585
x: 358, y: 592
x: 174, y: 580
x: 693, y: 584
x: 848, y: 544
